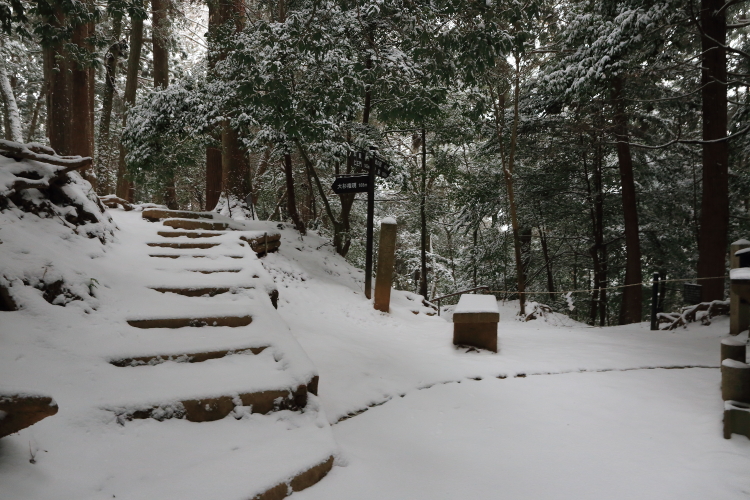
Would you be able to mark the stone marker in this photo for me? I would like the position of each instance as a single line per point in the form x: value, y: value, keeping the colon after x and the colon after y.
x: 732, y: 348
x: 736, y: 419
x: 475, y: 321
x: 739, y: 316
x: 386, y: 256
x: 735, y: 381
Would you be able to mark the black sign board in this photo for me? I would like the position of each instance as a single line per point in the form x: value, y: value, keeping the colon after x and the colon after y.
x: 691, y: 293
x: 351, y: 184
x: 359, y: 161
x: 382, y: 169
x: 360, y: 164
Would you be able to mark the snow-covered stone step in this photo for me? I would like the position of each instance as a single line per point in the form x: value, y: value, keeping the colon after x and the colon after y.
x: 209, y: 390
x: 209, y: 409
x: 198, y: 291
x: 185, y: 357
x: 230, y: 321
x: 189, y: 234
x: 156, y: 214
x: 195, y: 256
x: 212, y: 271
x: 196, y: 224
x: 183, y: 245
x: 246, y: 458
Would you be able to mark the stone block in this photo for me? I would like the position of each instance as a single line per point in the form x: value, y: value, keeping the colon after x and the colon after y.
x: 475, y: 322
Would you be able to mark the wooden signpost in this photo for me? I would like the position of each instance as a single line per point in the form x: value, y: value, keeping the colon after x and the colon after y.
x: 361, y: 183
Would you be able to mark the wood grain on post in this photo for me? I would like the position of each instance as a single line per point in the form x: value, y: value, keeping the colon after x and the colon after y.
x: 739, y: 310
x: 735, y: 381
x: 732, y: 348
x: 386, y: 257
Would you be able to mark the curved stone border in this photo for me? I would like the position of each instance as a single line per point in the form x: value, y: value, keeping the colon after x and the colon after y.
x: 18, y: 411
x: 299, y: 482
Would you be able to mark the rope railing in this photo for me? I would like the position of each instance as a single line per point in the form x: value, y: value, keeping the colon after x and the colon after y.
x: 647, y: 283
x: 582, y: 290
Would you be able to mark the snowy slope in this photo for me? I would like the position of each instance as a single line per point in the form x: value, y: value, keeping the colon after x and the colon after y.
x: 91, y: 449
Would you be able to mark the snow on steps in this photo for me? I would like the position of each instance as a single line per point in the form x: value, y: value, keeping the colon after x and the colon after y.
x: 104, y: 371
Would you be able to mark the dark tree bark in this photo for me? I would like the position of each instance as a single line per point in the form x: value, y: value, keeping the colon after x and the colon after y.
x: 81, y: 87
x: 35, y: 116
x: 160, y: 47
x: 125, y: 187
x: 547, y: 263
x: 291, y: 201
x: 424, y: 235
x: 56, y: 91
x: 714, y: 219
x: 233, y: 164
x: 213, y: 177
x: 632, y: 295
x: 110, y: 66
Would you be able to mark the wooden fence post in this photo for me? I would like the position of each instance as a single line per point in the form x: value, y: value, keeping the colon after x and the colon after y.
x: 386, y: 257
x: 739, y: 310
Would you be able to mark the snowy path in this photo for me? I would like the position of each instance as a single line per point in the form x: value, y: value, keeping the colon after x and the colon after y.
x: 646, y: 434
x: 563, y: 411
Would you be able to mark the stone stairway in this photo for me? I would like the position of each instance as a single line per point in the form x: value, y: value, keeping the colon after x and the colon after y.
x: 213, y: 346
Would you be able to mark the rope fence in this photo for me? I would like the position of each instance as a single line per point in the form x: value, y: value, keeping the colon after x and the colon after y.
x: 647, y: 283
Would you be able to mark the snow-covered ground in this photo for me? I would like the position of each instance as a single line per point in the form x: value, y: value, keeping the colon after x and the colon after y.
x: 562, y: 411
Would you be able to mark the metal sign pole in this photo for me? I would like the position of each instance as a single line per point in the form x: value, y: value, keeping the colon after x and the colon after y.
x: 370, y: 228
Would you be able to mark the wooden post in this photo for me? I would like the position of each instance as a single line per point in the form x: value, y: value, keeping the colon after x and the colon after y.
x: 739, y: 310
x: 370, y: 229
x: 386, y: 257
x: 654, y: 302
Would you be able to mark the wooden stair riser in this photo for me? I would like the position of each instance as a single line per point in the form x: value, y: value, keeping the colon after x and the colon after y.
x: 195, y: 224
x: 184, y: 245
x: 211, y: 409
x: 231, y: 321
x: 187, y: 234
x: 157, y: 214
x: 193, y: 357
x: 21, y: 411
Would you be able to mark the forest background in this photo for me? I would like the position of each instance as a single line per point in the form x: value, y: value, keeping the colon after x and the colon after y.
x: 537, y: 146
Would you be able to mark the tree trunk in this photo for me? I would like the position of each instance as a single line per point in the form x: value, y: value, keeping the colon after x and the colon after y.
x: 232, y: 154
x: 632, y: 295
x: 213, y: 177
x: 714, y: 220
x: 35, y: 116
x: 124, y: 187
x: 423, y: 220
x: 291, y: 201
x: 160, y: 46
x: 58, y: 98
x: 508, y: 174
x: 547, y: 263
x: 9, y: 99
x: 81, y: 87
x: 111, y: 62
x: 160, y: 42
